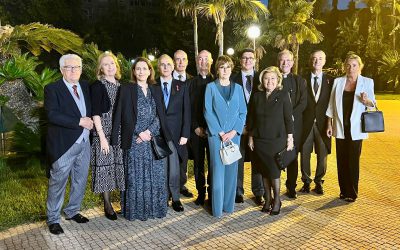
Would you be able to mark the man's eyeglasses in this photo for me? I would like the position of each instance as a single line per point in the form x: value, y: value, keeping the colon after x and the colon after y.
x: 72, y: 68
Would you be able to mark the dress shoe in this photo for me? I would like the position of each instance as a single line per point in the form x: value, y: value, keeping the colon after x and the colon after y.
x: 305, y: 188
x: 177, y: 206
x: 276, y: 212
x: 259, y: 200
x: 291, y: 193
x: 78, y: 218
x: 342, y: 197
x: 112, y: 216
x: 319, y: 189
x: 348, y: 199
x: 266, y: 208
x: 200, y: 200
x: 186, y: 193
x: 56, y: 229
x: 239, y: 199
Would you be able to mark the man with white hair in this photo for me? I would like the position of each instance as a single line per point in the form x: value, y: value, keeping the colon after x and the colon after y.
x: 67, y: 104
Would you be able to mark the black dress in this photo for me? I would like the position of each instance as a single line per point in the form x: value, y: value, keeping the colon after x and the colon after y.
x: 269, y: 121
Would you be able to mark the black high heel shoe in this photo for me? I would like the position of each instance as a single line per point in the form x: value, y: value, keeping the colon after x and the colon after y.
x: 112, y: 216
x: 276, y: 212
x: 267, y: 207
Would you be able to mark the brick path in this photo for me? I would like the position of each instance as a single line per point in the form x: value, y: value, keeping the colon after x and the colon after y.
x: 309, y: 222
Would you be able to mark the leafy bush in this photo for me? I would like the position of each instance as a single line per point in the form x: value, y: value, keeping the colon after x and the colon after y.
x: 36, y: 82
x: 18, y: 67
x: 389, y: 68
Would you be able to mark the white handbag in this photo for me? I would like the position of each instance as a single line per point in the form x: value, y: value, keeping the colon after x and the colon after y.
x: 229, y: 152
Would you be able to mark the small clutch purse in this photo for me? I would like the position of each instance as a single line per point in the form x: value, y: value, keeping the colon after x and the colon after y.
x: 160, y: 147
x: 283, y: 158
x: 229, y: 152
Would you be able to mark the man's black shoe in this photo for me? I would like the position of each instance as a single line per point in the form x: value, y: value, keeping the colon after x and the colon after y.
x: 291, y: 193
x: 200, y: 200
x: 186, y: 193
x: 56, y: 229
x: 239, y: 199
x: 78, y: 218
x: 305, y: 188
x: 319, y: 189
x: 177, y: 206
x: 259, y: 200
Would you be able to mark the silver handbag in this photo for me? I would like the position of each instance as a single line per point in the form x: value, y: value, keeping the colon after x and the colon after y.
x: 229, y: 152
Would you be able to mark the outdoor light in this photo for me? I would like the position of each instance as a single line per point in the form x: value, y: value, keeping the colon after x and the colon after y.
x: 151, y: 57
x: 230, y: 51
x: 253, y: 32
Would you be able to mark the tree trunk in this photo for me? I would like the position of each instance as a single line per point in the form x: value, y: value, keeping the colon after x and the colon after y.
x: 220, y: 30
x: 296, y: 48
x: 394, y: 24
x: 195, y: 35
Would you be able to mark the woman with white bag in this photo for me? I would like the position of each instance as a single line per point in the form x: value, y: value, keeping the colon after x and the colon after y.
x: 225, y: 114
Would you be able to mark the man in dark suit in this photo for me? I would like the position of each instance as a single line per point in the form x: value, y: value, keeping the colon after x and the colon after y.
x: 296, y: 87
x: 248, y: 78
x: 181, y: 61
x: 198, y: 136
x: 67, y: 105
x: 314, y: 123
x: 177, y: 104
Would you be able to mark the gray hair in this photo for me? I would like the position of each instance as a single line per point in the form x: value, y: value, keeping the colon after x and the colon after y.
x: 69, y: 56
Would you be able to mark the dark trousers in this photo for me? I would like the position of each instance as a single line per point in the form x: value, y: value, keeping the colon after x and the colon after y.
x: 292, y: 173
x: 183, y: 174
x: 314, y: 140
x: 199, y: 148
x: 348, y: 165
x: 257, y: 186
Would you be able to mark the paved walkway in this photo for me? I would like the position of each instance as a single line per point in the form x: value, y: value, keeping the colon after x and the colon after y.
x: 309, y: 222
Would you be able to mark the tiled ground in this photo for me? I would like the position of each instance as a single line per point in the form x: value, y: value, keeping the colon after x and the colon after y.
x: 309, y: 222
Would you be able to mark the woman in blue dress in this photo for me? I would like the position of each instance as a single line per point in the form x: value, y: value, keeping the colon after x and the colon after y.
x: 225, y: 113
x: 140, y: 115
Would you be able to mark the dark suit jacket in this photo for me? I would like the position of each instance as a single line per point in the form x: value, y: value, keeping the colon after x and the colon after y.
x: 316, y: 110
x: 63, y: 118
x: 178, y: 114
x: 297, y: 88
x: 126, y: 114
x: 197, y: 90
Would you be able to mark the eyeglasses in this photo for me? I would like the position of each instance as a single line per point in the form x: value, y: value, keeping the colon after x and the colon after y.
x: 166, y: 65
x: 247, y: 58
x: 72, y: 68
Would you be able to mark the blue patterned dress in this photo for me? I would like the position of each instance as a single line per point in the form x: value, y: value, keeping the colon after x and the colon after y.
x: 146, y: 195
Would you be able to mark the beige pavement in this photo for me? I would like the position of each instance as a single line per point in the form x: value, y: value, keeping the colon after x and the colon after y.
x: 309, y: 222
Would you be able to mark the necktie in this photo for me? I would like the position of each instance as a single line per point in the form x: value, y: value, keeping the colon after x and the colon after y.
x: 248, y: 83
x: 165, y: 93
x: 75, y: 90
x: 315, y: 85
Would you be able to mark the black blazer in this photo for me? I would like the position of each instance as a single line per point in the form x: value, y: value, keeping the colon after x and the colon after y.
x: 296, y: 86
x: 237, y: 78
x: 63, y: 118
x: 178, y: 114
x: 270, y: 119
x: 100, y: 100
x: 316, y: 110
x: 126, y: 114
x: 197, y: 91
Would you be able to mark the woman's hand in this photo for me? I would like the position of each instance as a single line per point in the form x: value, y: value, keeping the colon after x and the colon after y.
x: 145, y: 135
x: 290, y: 143
x: 364, y: 99
x: 251, y: 143
x: 329, y: 129
x: 228, y: 136
x: 104, y: 146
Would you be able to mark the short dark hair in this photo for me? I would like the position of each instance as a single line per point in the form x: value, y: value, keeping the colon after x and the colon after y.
x: 247, y: 50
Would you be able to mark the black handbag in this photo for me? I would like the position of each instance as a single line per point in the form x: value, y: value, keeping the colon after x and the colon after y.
x: 283, y: 158
x: 372, y: 121
x: 160, y: 147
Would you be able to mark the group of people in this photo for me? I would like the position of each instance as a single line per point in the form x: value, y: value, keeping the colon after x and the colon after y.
x: 112, y: 126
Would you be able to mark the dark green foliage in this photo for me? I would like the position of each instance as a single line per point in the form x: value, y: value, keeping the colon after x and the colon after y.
x: 36, y: 82
x: 18, y: 67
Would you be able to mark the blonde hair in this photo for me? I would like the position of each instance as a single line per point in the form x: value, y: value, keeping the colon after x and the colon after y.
x: 271, y: 69
x: 151, y: 78
x: 100, y: 73
x: 353, y: 56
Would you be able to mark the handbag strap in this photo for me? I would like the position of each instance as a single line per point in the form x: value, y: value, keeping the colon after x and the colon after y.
x: 375, y: 106
x: 225, y: 144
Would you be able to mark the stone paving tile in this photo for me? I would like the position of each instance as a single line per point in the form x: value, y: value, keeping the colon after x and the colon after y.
x: 309, y: 222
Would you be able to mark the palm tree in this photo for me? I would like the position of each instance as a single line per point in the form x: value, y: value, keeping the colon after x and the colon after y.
x: 36, y: 37
x: 189, y: 8
x: 222, y: 10
x: 389, y: 68
x: 291, y: 25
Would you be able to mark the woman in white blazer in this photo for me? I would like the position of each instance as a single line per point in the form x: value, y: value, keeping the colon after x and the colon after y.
x: 350, y: 96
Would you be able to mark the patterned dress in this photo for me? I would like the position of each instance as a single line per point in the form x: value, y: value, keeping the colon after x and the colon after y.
x: 146, y: 195
x: 107, y: 170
